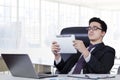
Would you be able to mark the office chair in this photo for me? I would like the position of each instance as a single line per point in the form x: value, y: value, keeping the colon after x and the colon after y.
x: 118, y: 72
x: 80, y: 34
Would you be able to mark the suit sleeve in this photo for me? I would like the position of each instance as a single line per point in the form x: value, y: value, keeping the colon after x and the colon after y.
x: 65, y: 66
x: 104, y: 62
x: 61, y: 65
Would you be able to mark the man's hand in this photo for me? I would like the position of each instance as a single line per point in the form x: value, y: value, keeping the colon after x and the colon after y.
x: 79, y: 45
x: 55, y: 49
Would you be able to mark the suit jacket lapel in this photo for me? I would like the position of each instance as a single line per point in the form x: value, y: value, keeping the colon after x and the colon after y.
x: 97, y: 48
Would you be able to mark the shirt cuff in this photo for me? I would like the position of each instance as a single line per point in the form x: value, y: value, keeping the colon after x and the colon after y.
x: 58, y: 61
x: 87, y: 59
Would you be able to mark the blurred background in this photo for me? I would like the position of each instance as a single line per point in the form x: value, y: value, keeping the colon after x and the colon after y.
x: 29, y: 26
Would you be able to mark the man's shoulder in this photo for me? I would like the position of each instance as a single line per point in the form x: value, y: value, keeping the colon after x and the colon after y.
x: 110, y: 48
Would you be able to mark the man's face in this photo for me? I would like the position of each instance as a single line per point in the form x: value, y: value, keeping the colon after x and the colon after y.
x: 95, y: 32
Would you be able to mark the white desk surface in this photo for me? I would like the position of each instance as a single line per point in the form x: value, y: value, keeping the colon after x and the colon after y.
x: 61, y: 77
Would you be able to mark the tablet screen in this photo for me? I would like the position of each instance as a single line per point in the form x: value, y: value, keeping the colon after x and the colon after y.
x: 66, y: 43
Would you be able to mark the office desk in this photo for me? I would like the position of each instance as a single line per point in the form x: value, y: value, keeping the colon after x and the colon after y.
x: 61, y: 77
x: 10, y: 77
x: 42, y: 64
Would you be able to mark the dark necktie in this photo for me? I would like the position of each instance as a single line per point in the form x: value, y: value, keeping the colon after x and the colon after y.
x: 90, y: 47
x: 81, y: 62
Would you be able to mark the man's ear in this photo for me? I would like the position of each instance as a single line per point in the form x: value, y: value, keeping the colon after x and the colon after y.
x: 103, y: 33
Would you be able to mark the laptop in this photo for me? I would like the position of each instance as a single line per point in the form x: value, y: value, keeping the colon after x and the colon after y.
x: 20, y: 65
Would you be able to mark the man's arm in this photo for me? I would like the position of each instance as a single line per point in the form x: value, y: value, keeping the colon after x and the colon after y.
x: 102, y: 61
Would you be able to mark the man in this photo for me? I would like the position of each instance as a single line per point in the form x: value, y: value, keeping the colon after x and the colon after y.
x: 98, y: 60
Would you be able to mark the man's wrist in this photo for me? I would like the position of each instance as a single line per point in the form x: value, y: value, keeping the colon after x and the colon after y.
x: 58, y: 60
x: 85, y: 53
x: 57, y: 57
x: 87, y: 59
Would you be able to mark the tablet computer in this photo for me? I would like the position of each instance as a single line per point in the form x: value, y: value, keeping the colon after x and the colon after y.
x: 66, y: 43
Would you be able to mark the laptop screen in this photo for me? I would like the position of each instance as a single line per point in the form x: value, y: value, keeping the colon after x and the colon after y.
x: 19, y: 65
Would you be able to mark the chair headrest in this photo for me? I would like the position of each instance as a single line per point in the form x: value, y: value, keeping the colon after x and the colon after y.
x: 80, y: 33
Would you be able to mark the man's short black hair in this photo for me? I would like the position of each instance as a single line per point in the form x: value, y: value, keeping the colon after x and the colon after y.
x: 103, y: 24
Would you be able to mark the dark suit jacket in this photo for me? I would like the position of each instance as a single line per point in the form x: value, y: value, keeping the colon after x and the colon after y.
x: 101, y: 61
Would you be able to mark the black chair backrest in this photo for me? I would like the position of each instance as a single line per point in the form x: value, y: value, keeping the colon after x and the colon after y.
x: 80, y: 34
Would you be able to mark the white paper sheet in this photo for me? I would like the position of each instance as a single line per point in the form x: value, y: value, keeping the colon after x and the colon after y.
x: 66, y: 43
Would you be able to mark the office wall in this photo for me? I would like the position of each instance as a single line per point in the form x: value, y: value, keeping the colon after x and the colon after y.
x: 42, y: 20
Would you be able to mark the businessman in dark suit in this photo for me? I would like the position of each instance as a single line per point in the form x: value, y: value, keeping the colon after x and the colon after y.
x: 98, y: 60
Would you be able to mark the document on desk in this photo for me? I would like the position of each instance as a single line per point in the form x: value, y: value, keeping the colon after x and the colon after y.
x: 66, y: 43
x: 93, y: 76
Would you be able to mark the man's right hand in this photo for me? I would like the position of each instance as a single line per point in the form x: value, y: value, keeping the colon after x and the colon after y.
x: 56, y: 49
